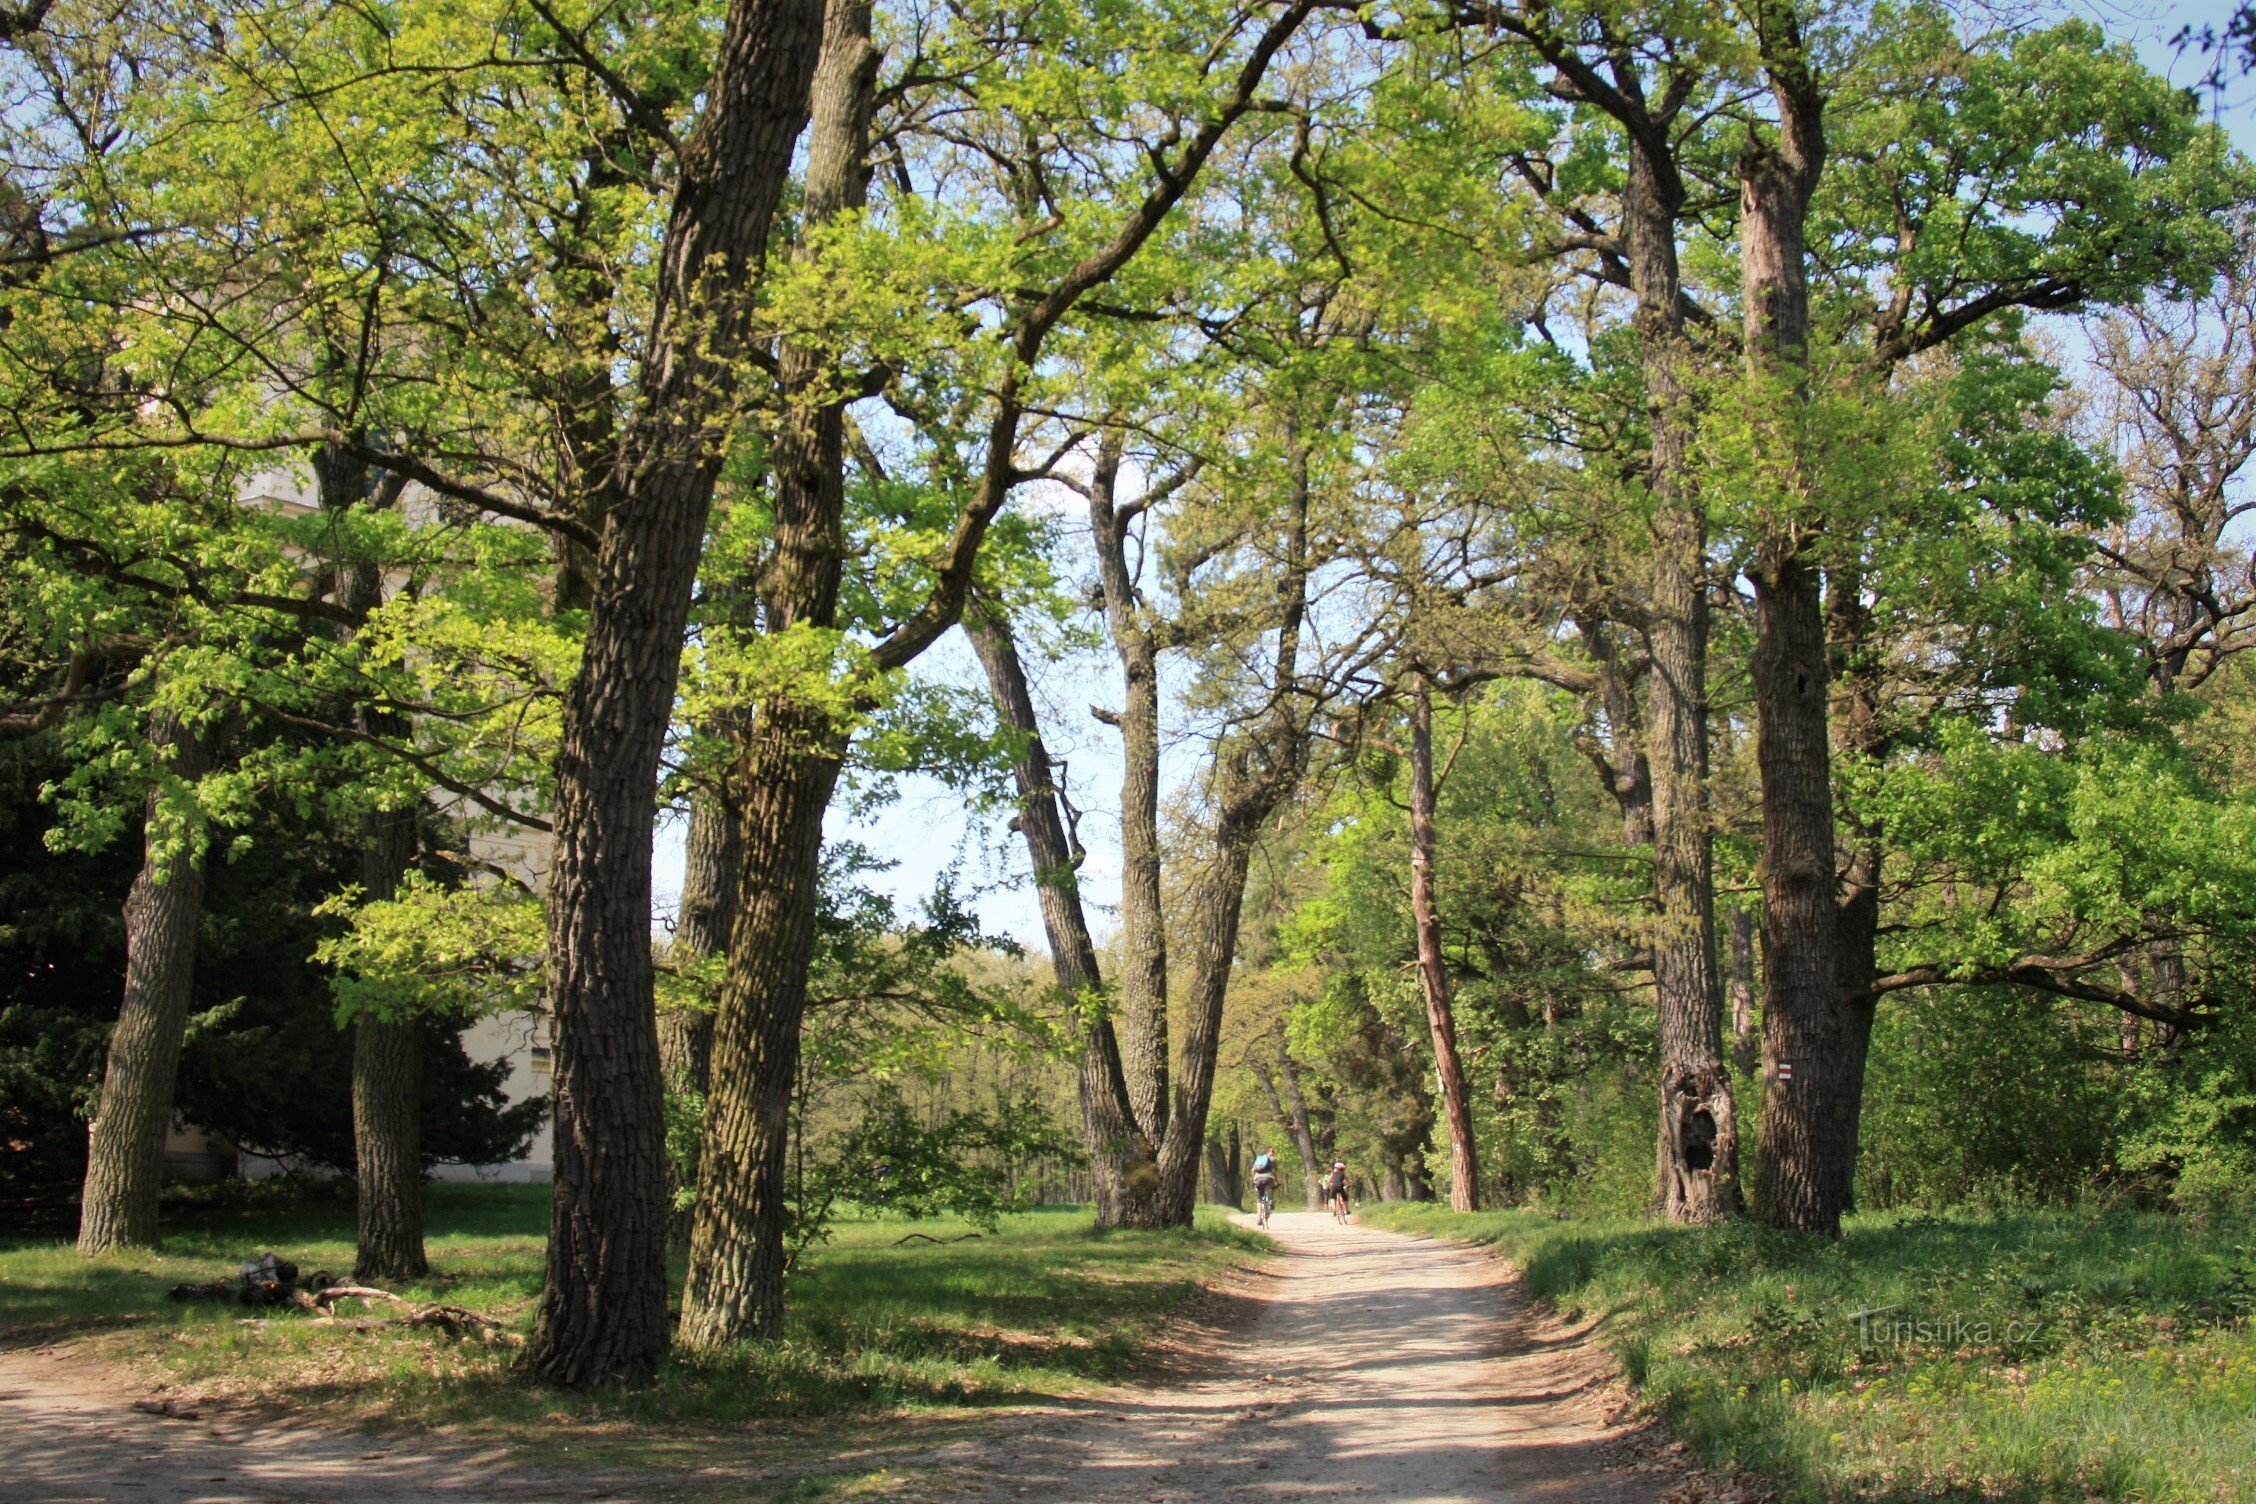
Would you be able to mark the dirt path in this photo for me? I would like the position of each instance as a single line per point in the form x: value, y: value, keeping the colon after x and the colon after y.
x: 1364, y: 1365
x: 65, y: 1438
x: 1371, y: 1366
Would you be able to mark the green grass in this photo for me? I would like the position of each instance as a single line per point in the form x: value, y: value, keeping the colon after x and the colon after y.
x: 877, y: 1333
x: 2039, y: 1356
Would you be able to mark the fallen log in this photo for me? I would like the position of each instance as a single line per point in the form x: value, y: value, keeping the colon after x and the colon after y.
x: 925, y: 1237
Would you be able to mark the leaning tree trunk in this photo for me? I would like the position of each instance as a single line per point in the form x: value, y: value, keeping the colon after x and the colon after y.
x: 792, y: 759
x: 1698, y: 1144
x: 1808, y: 1162
x: 1122, y: 1161
x: 1456, y: 1103
x: 125, y: 1141
x: 602, y: 1314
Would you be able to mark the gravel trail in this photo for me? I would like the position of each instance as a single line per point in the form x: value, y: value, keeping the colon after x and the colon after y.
x: 1370, y: 1366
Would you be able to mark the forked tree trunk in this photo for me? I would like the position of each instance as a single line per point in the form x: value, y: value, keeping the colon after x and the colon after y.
x: 1122, y: 1158
x: 1144, y: 1041
x: 738, y: 1245
x: 125, y: 1141
x: 602, y: 1315
x: 1698, y: 1143
x: 1456, y: 1103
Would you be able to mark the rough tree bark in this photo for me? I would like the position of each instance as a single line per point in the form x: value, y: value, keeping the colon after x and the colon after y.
x: 1456, y: 1104
x: 1122, y: 1159
x: 602, y: 1314
x: 783, y: 781
x: 125, y: 1141
x: 1808, y: 1161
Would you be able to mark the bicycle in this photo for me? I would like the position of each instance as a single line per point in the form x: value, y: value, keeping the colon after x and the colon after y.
x: 1339, y: 1208
x: 1265, y: 1201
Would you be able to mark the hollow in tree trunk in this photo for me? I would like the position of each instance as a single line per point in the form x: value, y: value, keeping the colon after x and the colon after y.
x: 1698, y: 1142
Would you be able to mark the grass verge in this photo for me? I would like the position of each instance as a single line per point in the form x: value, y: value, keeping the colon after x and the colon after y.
x: 878, y: 1331
x: 2031, y: 1357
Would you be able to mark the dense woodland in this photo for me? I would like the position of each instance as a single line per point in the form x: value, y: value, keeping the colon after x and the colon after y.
x: 1661, y: 585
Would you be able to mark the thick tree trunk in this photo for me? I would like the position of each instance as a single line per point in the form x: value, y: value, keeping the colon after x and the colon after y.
x: 1144, y: 1039
x: 1122, y: 1157
x: 1808, y: 1169
x: 737, y: 1252
x: 738, y: 1248
x: 125, y: 1141
x: 602, y: 1315
x: 1456, y: 1103
x: 1699, y: 1135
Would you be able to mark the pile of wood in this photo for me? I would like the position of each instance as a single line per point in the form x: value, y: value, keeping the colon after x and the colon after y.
x: 272, y: 1281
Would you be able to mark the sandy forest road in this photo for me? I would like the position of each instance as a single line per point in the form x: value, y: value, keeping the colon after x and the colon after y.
x: 1361, y: 1366
x: 1372, y: 1366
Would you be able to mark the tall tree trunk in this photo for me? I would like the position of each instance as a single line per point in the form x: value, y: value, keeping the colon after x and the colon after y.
x: 387, y: 1067
x: 1698, y: 1144
x: 602, y: 1315
x: 1808, y: 1162
x: 125, y: 1141
x: 737, y: 1250
x: 1456, y: 1104
x: 1143, y: 1008
x: 1122, y: 1156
